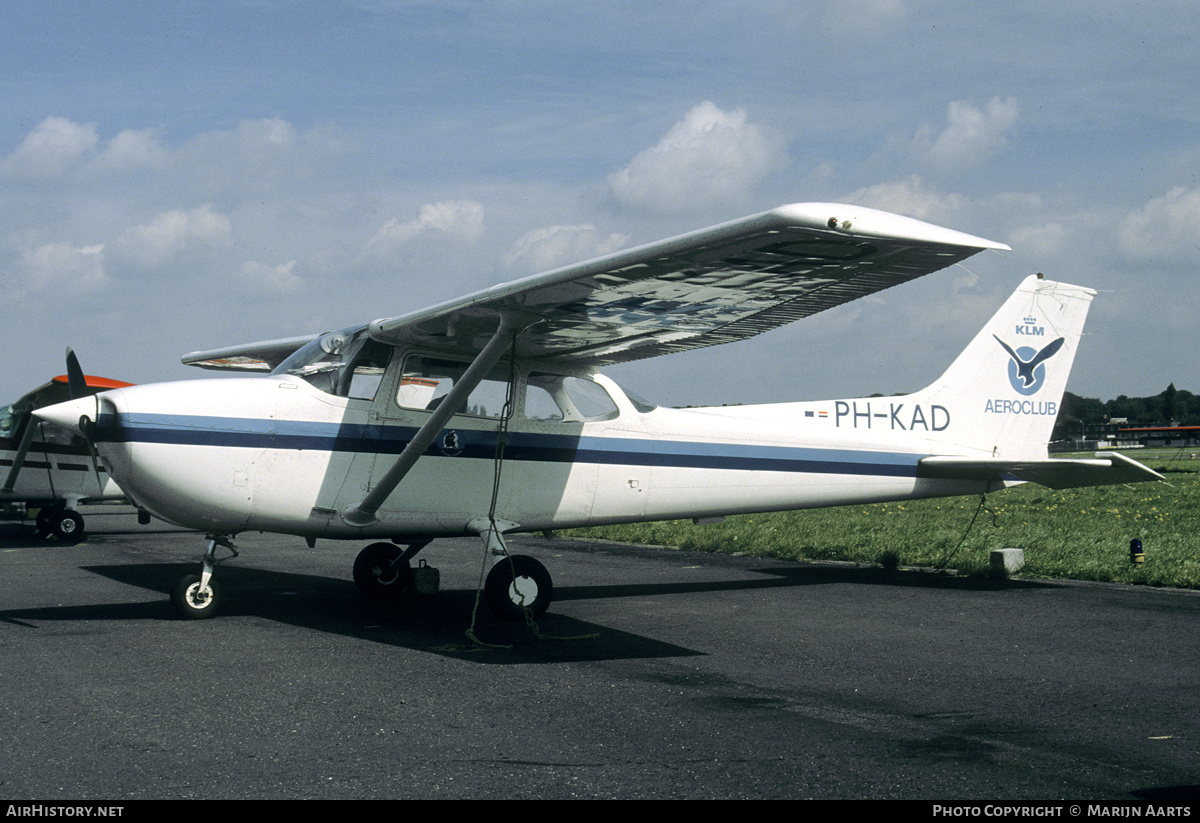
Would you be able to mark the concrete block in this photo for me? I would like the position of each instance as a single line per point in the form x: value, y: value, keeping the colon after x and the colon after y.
x: 1007, y: 561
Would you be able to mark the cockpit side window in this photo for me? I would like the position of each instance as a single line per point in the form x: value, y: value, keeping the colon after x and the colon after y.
x: 364, y: 370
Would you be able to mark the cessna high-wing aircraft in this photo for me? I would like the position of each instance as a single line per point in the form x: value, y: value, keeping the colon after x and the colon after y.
x: 484, y: 415
x: 50, y: 467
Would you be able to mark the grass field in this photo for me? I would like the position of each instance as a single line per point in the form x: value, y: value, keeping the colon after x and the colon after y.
x: 1082, y: 534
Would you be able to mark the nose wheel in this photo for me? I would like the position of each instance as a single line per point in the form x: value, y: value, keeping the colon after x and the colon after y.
x: 198, y: 596
x: 194, y: 600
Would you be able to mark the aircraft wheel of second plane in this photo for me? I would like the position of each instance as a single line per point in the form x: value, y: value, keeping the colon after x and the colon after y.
x: 380, y: 572
x: 67, y: 526
x: 45, y: 520
x: 193, y: 602
x: 516, y: 586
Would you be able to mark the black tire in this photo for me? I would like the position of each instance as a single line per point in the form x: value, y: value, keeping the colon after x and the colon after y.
x: 190, y: 602
x: 379, y: 572
x: 518, y: 586
x: 68, y: 526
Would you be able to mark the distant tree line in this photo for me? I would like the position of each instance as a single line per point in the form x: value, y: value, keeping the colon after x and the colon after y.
x: 1171, y: 406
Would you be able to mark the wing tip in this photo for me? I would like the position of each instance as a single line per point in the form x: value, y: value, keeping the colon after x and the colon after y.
x: 868, y: 222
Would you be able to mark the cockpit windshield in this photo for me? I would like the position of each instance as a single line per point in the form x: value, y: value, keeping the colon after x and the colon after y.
x: 16, y: 420
x: 346, y: 363
x: 11, y: 418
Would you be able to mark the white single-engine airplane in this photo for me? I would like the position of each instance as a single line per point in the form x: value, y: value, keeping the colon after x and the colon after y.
x: 484, y: 415
x: 50, y: 467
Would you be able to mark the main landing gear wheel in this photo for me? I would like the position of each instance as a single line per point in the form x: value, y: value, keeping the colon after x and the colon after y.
x: 191, y: 601
x: 67, y: 526
x: 381, y: 572
x: 518, y: 586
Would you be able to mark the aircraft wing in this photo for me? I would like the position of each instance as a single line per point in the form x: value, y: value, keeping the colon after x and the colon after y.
x: 1103, y: 470
x: 256, y: 357
x: 726, y: 283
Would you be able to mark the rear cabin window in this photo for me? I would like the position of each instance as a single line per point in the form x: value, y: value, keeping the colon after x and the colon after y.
x: 558, y: 398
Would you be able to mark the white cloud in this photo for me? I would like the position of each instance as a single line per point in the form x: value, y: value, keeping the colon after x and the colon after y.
x: 971, y: 136
x: 52, y: 148
x: 270, y: 131
x: 910, y: 197
x: 1165, y: 228
x: 554, y: 246
x: 268, y: 150
x: 65, y: 268
x: 459, y: 219
x: 249, y: 138
x: 133, y: 149
x: 1041, y: 241
x: 259, y: 159
x: 268, y: 278
x: 171, y: 232
x: 709, y: 157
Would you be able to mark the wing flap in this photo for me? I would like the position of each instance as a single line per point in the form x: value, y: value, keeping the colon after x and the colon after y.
x: 727, y: 283
x: 1104, y: 470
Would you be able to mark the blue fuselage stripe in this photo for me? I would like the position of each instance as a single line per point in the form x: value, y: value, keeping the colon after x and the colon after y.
x: 519, y: 446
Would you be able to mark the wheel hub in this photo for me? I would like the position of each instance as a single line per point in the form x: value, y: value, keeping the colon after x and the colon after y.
x: 384, y: 574
x: 198, y: 597
x: 523, y: 591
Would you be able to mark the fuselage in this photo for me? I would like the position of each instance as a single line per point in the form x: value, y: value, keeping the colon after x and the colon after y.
x: 286, y: 454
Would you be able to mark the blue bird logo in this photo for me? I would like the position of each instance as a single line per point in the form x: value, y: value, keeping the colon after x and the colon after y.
x: 1026, y: 371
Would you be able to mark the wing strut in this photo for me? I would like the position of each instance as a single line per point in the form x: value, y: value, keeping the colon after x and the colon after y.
x: 364, y: 513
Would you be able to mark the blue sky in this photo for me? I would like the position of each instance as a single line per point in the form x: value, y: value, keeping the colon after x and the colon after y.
x: 180, y: 176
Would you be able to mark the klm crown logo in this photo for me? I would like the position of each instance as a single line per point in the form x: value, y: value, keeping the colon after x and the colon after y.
x: 1030, y: 328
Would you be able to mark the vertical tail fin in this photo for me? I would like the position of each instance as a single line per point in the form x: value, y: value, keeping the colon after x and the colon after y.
x: 1003, y: 393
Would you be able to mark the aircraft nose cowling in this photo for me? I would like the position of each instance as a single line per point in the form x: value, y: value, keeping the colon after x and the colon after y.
x: 67, y: 414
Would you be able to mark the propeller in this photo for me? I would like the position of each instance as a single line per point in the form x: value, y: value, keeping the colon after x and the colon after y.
x: 76, y: 382
x: 78, y: 387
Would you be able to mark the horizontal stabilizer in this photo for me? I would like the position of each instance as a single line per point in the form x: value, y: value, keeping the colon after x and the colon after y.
x: 1104, y: 470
